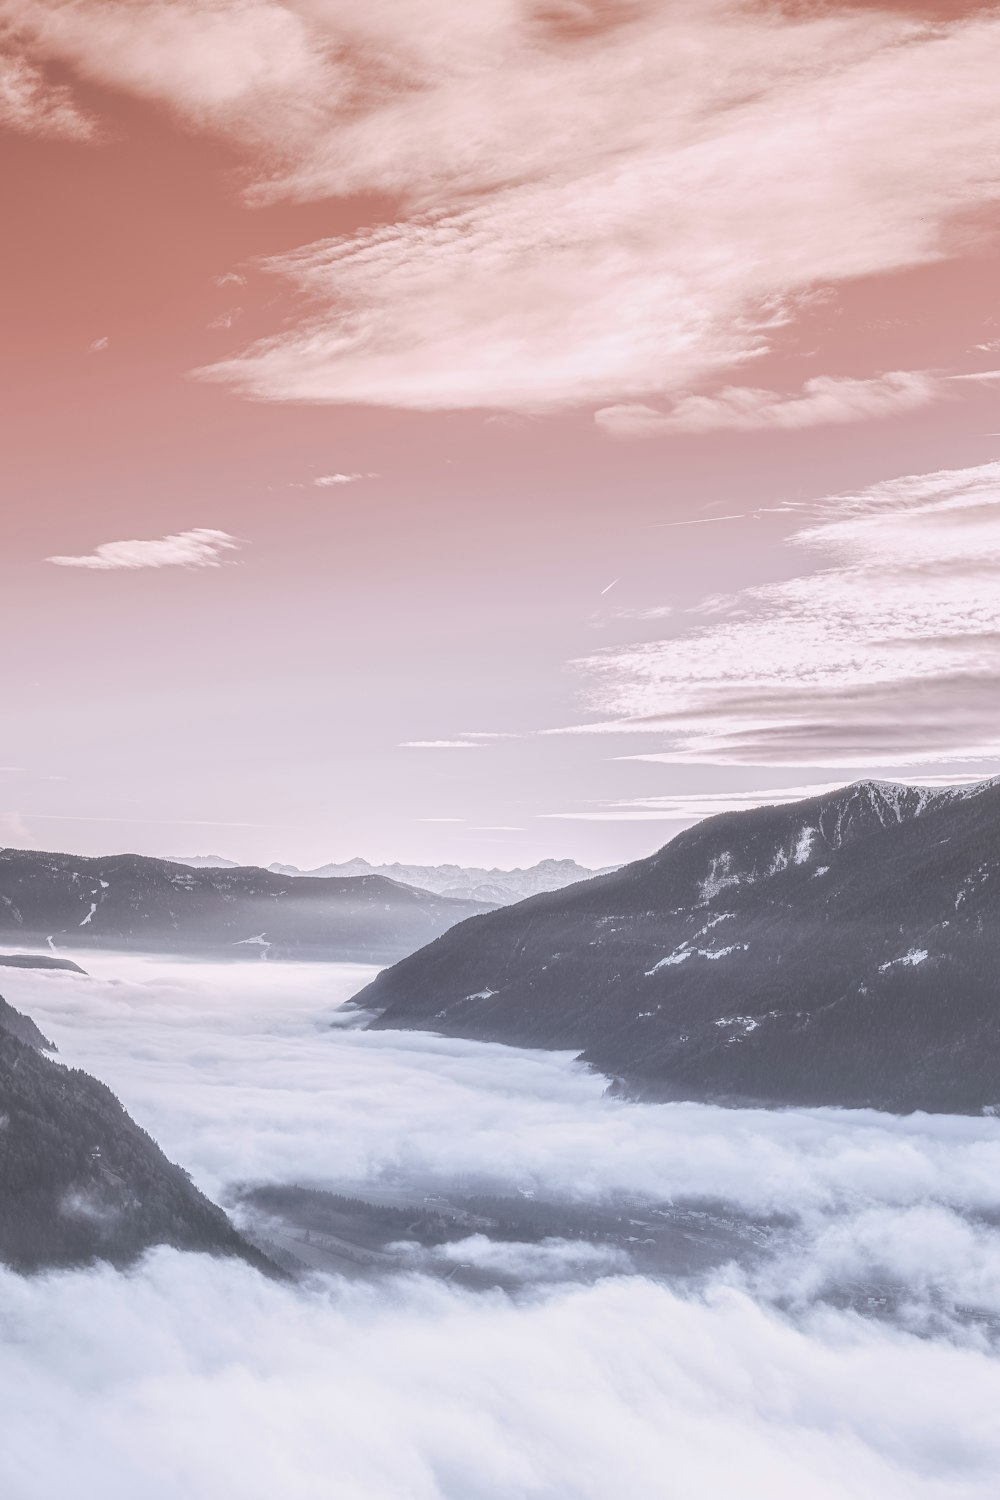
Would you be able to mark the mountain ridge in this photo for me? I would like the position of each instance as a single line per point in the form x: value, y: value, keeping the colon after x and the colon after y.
x: 494, y: 886
x: 840, y: 950
x: 137, y: 903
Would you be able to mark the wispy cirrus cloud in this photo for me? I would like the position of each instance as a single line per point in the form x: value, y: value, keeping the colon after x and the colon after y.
x: 590, y: 206
x: 824, y: 400
x: 328, y: 481
x: 33, y: 105
x: 688, y: 807
x: 199, y: 548
x: 440, y: 745
x: 888, y: 654
x: 692, y: 807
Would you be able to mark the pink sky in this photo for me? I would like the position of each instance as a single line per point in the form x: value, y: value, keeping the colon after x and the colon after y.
x: 647, y: 351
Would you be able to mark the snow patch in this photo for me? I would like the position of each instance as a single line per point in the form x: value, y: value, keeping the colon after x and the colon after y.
x: 803, y: 845
x: 909, y: 960
x: 677, y: 957
x: 746, y: 1024
x: 720, y: 876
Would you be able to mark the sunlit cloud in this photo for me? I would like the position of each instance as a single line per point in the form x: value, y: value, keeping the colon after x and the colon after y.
x: 199, y: 548
x: 326, y: 481
x: 440, y: 745
x: 596, y: 213
x: 825, y: 400
x: 889, y: 654
x: 33, y: 105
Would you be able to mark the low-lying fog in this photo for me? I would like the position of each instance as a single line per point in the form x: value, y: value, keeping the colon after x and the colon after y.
x: 550, y: 1294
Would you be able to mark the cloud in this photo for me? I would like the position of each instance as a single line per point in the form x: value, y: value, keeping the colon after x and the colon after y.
x: 888, y: 655
x: 825, y: 400
x: 629, y: 261
x: 326, y: 480
x: 199, y: 548
x: 691, y: 807
x: 624, y: 612
x: 590, y: 205
x: 243, y: 1073
x: 197, y: 1377
x: 440, y: 745
x: 549, y: 1259
x: 99, y: 345
x: 14, y: 831
x: 31, y: 105
x: 853, y: 1356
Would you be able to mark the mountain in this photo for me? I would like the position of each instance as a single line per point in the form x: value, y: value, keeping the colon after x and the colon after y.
x: 843, y: 950
x: 127, y: 901
x: 79, y: 1179
x: 17, y: 1024
x: 38, y: 961
x: 492, y: 887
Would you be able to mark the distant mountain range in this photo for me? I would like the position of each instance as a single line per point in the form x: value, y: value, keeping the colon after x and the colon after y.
x: 127, y: 901
x: 79, y: 1179
x: 491, y: 887
x: 843, y: 950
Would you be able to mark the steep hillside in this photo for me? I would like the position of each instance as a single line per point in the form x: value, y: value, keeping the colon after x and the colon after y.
x: 79, y: 1179
x: 843, y: 950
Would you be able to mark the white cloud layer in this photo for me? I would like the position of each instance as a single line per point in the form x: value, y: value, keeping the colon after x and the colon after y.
x: 584, y: 204
x: 247, y: 1071
x: 889, y: 655
x: 199, y: 1378
x: 825, y: 400
x: 200, y: 548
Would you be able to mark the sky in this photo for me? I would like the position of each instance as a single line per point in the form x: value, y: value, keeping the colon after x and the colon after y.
x: 484, y: 432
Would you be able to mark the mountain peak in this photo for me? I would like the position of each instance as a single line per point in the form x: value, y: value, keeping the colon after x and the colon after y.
x: 841, y: 950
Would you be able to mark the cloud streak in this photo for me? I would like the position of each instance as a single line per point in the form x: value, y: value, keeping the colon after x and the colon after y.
x: 327, y: 481
x: 888, y: 655
x: 825, y: 400
x: 440, y: 745
x: 199, y: 548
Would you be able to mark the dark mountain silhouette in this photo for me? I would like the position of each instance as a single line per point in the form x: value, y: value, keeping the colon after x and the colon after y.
x: 843, y: 950
x: 39, y: 961
x: 79, y: 1179
x: 127, y: 901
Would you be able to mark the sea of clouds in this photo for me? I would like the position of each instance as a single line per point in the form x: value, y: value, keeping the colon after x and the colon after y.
x: 189, y: 1377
